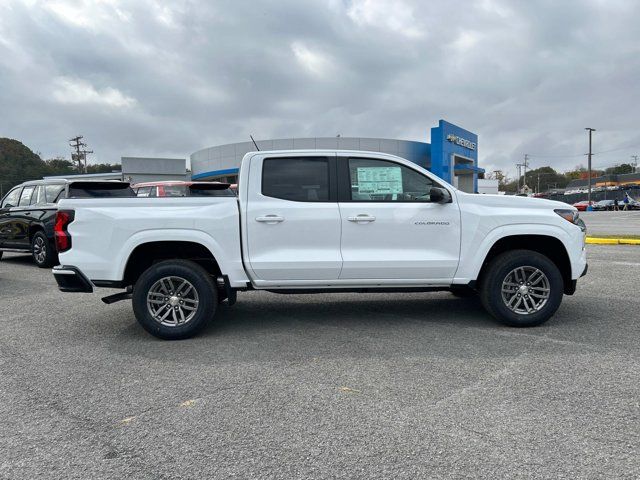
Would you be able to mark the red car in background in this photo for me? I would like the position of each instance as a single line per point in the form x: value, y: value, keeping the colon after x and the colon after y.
x: 582, y: 205
x: 178, y: 188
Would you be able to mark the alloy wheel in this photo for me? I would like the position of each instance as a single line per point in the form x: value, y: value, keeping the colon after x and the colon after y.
x: 525, y: 290
x: 39, y: 249
x: 172, y: 301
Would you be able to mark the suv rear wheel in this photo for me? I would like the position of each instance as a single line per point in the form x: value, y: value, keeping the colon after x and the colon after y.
x: 521, y: 288
x: 42, y: 251
x: 174, y: 299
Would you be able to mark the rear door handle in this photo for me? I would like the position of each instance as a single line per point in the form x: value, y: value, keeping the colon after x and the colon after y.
x: 362, y: 218
x: 272, y: 219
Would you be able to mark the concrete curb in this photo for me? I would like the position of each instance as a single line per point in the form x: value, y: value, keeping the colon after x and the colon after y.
x: 612, y: 241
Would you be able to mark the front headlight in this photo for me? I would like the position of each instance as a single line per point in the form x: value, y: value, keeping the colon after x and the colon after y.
x: 572, y: 216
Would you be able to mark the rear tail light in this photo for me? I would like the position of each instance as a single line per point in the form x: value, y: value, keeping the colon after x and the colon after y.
x: 63, y: 238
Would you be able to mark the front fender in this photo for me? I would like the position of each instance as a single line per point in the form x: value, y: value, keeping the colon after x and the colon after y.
x: 474, y: 250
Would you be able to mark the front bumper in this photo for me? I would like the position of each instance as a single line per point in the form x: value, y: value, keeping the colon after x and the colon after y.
x: 571, y: 288
x: 71, y: 279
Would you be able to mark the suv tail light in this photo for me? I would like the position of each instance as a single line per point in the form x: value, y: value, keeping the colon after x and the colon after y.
x: 63, y: 238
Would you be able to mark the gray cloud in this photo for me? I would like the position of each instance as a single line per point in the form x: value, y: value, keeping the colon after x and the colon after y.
x: 167, y: 78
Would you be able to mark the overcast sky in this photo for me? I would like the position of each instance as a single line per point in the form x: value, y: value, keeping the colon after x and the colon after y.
x: 167, y: 78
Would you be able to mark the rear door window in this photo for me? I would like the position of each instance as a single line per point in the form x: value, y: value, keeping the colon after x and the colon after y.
x: 38, y: 196
x: 300, y: 179
x: 25, y: 196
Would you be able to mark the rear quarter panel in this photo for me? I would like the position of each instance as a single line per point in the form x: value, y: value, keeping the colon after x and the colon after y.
x: 106, y: 231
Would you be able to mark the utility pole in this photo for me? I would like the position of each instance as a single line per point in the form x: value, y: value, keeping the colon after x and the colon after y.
x: 80, y: 156
x: 519, y: 170
x: 525, y: 165
x: 590, y: 154
x: 84, y: 156
x: 635, y: 162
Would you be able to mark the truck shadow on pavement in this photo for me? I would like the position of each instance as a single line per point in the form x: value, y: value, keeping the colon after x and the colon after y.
x: 270, y: 327
x: 17, y: 259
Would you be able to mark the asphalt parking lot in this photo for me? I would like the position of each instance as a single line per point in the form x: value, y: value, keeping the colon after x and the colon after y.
x: 612, y: 223
x: 322, y: 386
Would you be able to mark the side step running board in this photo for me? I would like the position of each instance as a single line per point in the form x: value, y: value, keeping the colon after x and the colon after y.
x: 116, y: 297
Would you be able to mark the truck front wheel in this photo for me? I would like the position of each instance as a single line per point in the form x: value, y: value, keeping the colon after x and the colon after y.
x: 521, y: 288
x: 174, y: 299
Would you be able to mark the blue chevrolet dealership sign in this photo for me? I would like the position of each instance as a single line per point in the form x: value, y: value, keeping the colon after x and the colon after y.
x: 454, y: 151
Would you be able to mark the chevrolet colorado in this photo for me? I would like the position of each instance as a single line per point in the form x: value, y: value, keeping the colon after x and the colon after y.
x: 321, y: 221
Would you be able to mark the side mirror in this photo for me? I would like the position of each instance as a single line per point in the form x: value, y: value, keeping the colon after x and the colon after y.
x: 439, y: 195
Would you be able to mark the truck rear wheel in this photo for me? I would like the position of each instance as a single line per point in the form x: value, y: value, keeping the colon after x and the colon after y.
x: 521, y: 288
x: 174, y: 299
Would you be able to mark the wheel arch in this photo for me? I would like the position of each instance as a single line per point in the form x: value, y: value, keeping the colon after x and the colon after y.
x: 550, y: 246
x: 34, y: 228
x: 145, y: 254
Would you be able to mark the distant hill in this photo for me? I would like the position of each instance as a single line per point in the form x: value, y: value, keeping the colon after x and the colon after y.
x: 18, y: 164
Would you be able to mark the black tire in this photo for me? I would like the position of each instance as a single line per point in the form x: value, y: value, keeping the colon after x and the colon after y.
x: 206, y: 299
x: 42, y: 251
x: 496, y: 273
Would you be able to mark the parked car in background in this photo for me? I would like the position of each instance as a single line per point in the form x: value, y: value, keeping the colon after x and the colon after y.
x: 27, y: 213
x: 604, y: 205
x: 182, y: 189
x: 582, y: 205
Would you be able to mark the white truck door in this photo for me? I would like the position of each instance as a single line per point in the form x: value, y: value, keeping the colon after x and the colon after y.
x: 292, y: 219
x: 390, y: 228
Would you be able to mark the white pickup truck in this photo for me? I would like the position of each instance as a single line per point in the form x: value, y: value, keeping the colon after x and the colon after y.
x: 319, y: 221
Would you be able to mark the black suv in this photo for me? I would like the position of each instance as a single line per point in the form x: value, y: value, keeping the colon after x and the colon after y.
x: 28, y: 213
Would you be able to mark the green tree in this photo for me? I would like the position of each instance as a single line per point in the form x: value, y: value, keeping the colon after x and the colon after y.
x: 18, y: 164
x: 619, y: 169
x: 60, y: 166
x: 103, y: 168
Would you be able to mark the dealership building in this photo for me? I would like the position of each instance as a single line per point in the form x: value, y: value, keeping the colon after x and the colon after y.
x: 452, y: 154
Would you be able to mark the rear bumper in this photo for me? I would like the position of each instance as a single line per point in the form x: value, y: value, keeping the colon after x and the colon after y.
x: 71, y: 279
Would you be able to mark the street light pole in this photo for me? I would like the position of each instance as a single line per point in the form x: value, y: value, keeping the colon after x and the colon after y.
x: 590, y: 130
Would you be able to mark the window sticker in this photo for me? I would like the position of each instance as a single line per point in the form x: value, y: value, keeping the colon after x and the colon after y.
x: 379, y: 180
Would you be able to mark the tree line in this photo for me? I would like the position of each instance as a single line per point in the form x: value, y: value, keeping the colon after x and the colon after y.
x: 547, y: 178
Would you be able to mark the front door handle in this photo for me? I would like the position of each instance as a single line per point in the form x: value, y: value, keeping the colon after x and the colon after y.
x: 271, y: 219
x: 362, y: 218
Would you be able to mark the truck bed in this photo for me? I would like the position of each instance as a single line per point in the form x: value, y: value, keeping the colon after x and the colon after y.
x: 105, y: 231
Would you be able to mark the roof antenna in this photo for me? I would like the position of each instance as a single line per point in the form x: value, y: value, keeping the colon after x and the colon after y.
x: 254, y: 142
